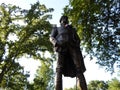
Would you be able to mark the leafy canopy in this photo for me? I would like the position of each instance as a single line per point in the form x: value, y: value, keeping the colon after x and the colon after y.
x: 98, y: 25
x: 22, y: 33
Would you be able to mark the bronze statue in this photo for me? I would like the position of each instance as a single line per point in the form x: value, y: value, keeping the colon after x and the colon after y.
x: 70, y: 60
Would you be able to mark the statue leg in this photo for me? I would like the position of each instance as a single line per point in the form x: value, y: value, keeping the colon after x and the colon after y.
x: 80, y: 76
x: 60, y: 63
x: 58, y: 81
x: 82, y: 81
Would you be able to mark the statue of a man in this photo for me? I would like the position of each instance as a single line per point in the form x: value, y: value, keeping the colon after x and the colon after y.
x: 70, y: 60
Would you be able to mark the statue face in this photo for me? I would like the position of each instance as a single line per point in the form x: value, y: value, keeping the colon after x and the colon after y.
x: 64, y: 20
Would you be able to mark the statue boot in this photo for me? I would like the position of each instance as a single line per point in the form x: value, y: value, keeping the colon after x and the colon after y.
x: 58, y: 81
x: 82, y: 81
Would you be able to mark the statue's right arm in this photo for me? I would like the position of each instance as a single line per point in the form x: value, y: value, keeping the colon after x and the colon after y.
x: 53, y: 41
x: 53, y: 36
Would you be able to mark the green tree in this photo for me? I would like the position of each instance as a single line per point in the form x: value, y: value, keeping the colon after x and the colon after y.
x: 70, y: 89
x: 14, y: 77
x: 44, y: 79
x: 98, y: 25
x: 114, y: 84
x: 22, y: 33
x: 97, y: 85
x: 74, y: 88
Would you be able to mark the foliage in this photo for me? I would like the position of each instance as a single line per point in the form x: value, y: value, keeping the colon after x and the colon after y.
x: 14, y: 77
x: 22, y: 33
x: 97, y: 85
x: 44, y: 78
x: 74, y: 88
x: 114, y: 84
x: 98, y: 25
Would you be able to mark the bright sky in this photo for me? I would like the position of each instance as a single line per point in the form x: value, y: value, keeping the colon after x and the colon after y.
x: 93, y: 71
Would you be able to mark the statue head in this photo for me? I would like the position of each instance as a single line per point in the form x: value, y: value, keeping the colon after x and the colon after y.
x: 64, y: 20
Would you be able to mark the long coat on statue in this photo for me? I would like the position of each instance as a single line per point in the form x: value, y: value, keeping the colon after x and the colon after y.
x: 69, y: 68
x: 59, y: 37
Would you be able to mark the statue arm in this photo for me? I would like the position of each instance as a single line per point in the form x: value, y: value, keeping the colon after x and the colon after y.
x: 76, y: 37
x: 53, y: 41
x: 53, y: 36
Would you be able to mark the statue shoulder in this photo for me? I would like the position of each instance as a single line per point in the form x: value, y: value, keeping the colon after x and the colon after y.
x: 70, y: 27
